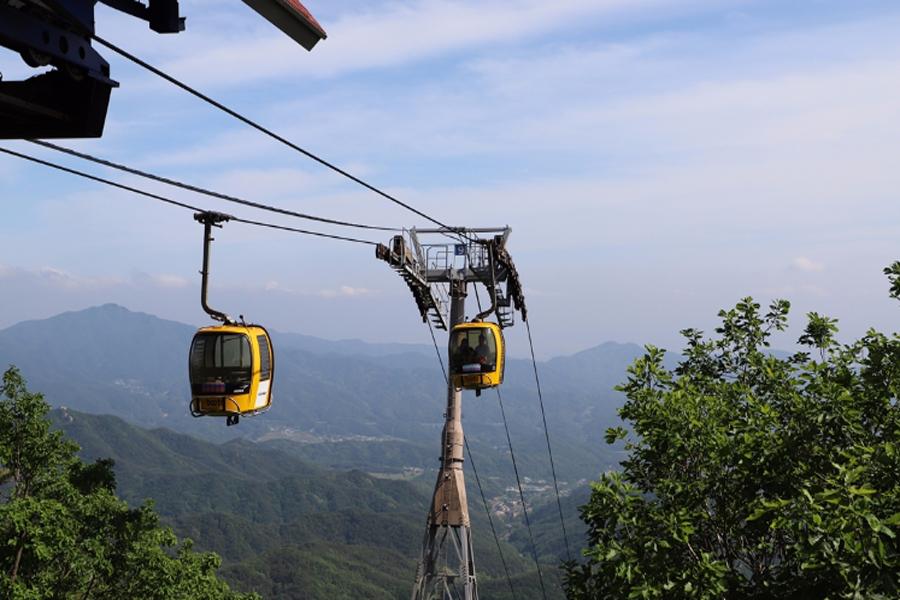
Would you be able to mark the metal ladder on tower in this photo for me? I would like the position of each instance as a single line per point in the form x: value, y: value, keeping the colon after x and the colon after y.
x: 430, y: 308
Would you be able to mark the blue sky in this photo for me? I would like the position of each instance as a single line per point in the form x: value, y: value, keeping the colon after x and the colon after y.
x: 657, y: 160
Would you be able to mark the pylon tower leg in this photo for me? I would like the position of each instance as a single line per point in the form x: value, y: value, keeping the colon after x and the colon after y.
x: 446, y: 568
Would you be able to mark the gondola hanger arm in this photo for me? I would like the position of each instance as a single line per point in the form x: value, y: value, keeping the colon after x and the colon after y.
x: 210, y: 219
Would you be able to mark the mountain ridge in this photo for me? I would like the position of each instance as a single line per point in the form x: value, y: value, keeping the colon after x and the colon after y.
x: 109, y: 360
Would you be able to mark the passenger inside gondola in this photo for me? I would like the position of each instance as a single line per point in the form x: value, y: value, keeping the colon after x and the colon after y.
x: 482, y: 350
x: 472, y: 357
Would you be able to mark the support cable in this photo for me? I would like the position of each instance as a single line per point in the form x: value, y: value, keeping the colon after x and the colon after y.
x: 272, y: 134
x: 438, y: 353
x: 200, y: 190
x: 475, y: 471
x: 512, y: 456
x: 490, y: 518
x: 540, y: 394
x: 166, y: 200
x: 537, y: 381
x: 304, y: 231
x: 121, y: 186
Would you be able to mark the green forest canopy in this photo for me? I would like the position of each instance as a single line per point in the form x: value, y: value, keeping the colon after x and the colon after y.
x: 65, y: 534
x: 750, y: 475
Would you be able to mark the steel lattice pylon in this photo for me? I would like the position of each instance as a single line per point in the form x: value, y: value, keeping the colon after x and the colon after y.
x: 435, y: 578
x: 446, y: 568
x: 438, y: 275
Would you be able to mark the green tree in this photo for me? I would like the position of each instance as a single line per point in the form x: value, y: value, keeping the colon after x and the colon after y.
x: 65, y: 534
x: 753, y: 475
x: 893, y: 273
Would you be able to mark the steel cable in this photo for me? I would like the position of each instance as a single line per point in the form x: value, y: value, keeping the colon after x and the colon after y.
x: 167, y: 200
x: 250, y: 122
x: 515, y: 465
x: 537, y: 381
x: 204, y: 191
x: 512, y: 455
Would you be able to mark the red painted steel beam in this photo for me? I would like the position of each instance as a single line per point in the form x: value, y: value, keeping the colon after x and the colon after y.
x: 291, y: 17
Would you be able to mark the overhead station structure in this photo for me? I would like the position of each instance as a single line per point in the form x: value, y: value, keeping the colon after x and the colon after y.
x: 439, y: 273
x: 70, y: 100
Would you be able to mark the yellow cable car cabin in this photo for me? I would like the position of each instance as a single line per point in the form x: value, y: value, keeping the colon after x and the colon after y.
x: 231, y: 371
x: 477, y: 358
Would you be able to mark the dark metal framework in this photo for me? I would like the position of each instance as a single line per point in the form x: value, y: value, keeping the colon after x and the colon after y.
x: 71, y: 100
x: 162, y: 15
x: 428, y: 268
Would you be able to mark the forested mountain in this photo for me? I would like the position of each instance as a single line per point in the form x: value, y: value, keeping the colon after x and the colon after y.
x: 66, y: 534
x: 365, y: 406
x: 284, y: 488
x: 285, y: 528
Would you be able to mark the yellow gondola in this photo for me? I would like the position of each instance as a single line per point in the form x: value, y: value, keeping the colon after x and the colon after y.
x: 231, y: 371
x: 231, y: 366
x: 477, y: 359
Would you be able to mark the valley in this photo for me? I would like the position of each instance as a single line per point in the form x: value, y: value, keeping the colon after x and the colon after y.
x: 337, y: 476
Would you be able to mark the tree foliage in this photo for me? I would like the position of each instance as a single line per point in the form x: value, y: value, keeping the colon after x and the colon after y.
x: 65, y: 534
x: 753, y: 475
x: 893, y: 273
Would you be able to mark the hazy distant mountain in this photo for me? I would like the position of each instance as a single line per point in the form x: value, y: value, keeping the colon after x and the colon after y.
x: 348, y: 405
x: 349, y: 347
x: 597, y: 366
x: 104, y: 360
x: 364, y: 405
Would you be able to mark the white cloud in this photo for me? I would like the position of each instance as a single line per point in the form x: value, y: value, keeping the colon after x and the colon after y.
x: 53, y: 278
x: 169, y: 281
x: 593, y: 103
x: 59, y: 278
x: 345, y: 291
x: 806, y: 264
x: 395, y: 33
x: 231, y: 146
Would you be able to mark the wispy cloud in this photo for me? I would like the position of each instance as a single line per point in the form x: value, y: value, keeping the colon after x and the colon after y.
x: 635, y: 156
x: 165, y: 280
x: 276, y: 286
x: 392, y: 34
x: 806, y: 264
x: 61, y: 279
x: 345, y: 291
